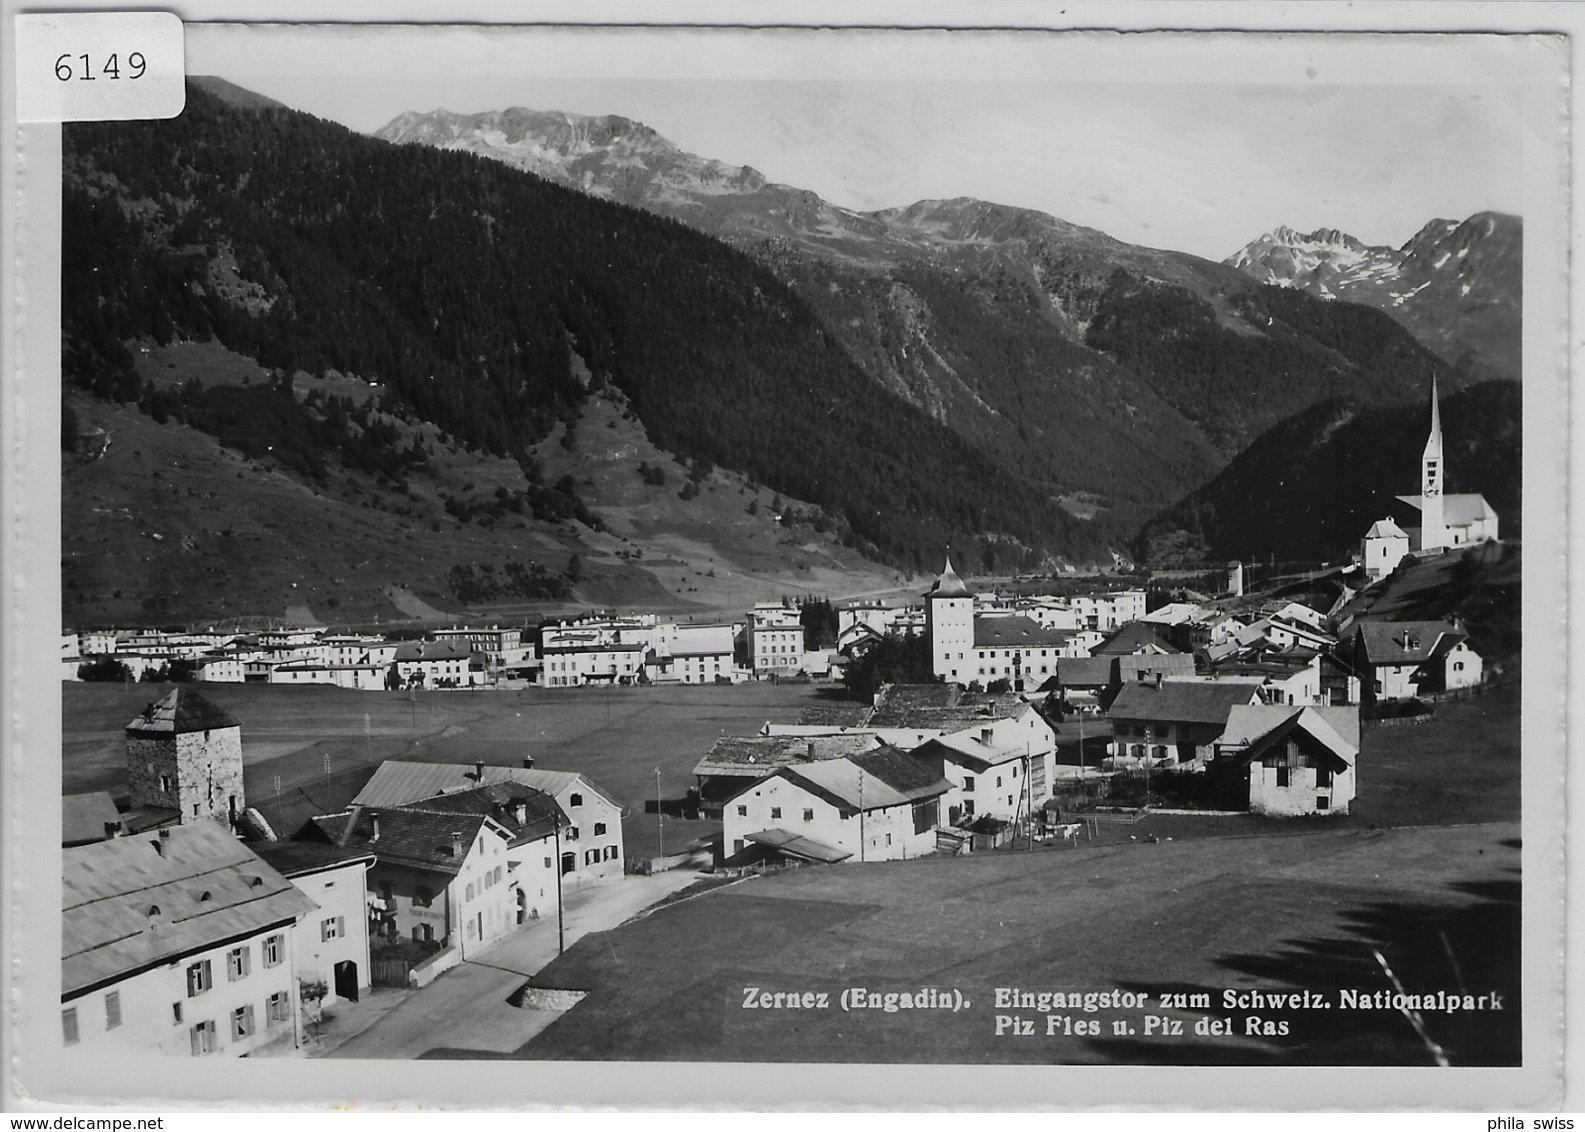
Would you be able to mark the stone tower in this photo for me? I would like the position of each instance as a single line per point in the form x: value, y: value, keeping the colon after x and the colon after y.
x: 185, y: 754
x: 949, y: 622
x: 1433, y: 516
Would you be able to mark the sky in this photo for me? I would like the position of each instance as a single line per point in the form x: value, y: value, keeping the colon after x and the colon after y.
x: 1199, y: 143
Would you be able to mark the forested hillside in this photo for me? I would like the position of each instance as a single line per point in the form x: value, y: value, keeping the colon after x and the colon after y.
x: 490, y: 302
x: 1309, y: 489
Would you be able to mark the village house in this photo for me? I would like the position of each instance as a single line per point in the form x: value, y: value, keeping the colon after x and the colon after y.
x: 1398, y: 660
x: 1002, y: 769
x: 437, y: 664
x: 591, y: 835
x: 1138, y: 637
x: 439, y: 877
x: 356, y: 677
x: 733, y: 761
x: 331, y: 945
x: 178, y: 942
x: 879, y: 805
x: 1174, y: 720
x: 1384, y: 546
x: 1289, y: 761
x: 693, y: 654
x: 531, y: 818
x: 775, y: 640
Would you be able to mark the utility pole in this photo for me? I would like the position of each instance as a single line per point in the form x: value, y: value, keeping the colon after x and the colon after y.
x: 561, y: 935
x: 660, y: 822
x: 861, y: 815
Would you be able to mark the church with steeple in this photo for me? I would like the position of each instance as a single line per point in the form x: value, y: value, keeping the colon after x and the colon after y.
x: 1442, y: 521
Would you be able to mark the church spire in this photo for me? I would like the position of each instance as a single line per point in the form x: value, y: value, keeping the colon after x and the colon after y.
x: 1433, y: 442
x: 948, y: 584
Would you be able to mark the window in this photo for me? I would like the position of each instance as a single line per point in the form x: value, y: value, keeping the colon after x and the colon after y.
x: 610, y: 852
x: 809, y: 815
x: 203, y: 1037
x: 1282, y: 770
x: 742, y: 811
x: 572, y: 833
x: 274, y: 949
x: 1322, y: 802
x: 165, y: 784
x: 968, y: 809
x: 968, y: 784
x: 198, y: 978
x: 547, y: 862
x: 775, y: 812
x: 112, y: 1010
x: 1323, y: 776
x: 423, y: 897
x: 276, y: 1008
x: 888, y: 839
x: 333, y: 928
x: 599, y: 829
x: 176, y: 1014
x: 238, y: 963
x: 69, y: 1025
x: 998, y: 782
x: 591, y: 856
x: 242, y: 1022
x: 469, y: 896
x: 575, y: 800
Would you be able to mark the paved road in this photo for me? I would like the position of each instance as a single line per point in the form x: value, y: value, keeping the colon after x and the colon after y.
x: 466, y: 1007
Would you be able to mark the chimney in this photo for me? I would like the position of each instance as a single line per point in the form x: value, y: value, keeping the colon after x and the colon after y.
x: 112, y: 830
x: 522, y: 813
x: 985, y: 735
x: 478, y: 770
x: 374, y: 820
x: 528, y: 762
x: 456, y: 845
x: 811, y: 750
x: 1160, y: 677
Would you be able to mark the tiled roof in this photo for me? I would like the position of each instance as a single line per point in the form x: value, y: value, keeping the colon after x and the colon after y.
x: 833, y: 715
x: 1406, y: 642
x: 84, y: 816
x: 1134, y: 636
x: 417, y: 838
x: 761, y: 754
x: 870, y: 781
x: 399, y: 781
x: 1016, y: 631
x: 1385, y: 528
x: 127, y: 905
x: 1131, y: 666
x: 500, y: 801
x: 1084, y: 672
x: 181, y: 711
x: 1182, y: 701
x: 295, y: 858
x: 1252, y: 730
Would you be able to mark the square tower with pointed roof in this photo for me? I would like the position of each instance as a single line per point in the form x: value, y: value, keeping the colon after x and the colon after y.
x: 184, y: 754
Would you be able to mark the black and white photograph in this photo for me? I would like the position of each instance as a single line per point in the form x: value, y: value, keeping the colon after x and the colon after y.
x: 925, y: 549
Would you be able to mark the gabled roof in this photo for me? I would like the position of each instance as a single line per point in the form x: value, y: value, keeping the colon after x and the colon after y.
x: 500, y: 801
x: 1385, y: 528
x: 1134, y: 637
x: 1406, y: 642
x: 1084, y: 672
x: 180, y: 712
x: 416, y: 838
x: 299, y: 858
x: 1457, y: 510
x: 964, y: 748
x: 948, y: 584
x: 1016, y: 631
x: 1182, y: 701
x: 128, y: 906
x: 399, y: 781
x: 1133, y: 666
x: 869, y: 781
x: 84, y: 817
x: 1255, y: 729
x: 758, y: 755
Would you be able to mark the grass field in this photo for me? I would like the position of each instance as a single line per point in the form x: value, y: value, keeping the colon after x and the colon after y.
x: 1269, y: 913
x: 618, y: 737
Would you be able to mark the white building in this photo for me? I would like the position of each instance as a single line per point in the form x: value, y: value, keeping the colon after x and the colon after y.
x: 1445, y: 521
x: 331, y: 946
x: 1293, y: 761
x: 178, y: 941
x: 880, y: 805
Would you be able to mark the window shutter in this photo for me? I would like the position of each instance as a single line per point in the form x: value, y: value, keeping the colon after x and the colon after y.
x: 193, y: 1036
x: 341, y: 930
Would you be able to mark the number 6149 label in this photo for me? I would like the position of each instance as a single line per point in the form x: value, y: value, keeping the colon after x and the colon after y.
x: 99, y: 66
